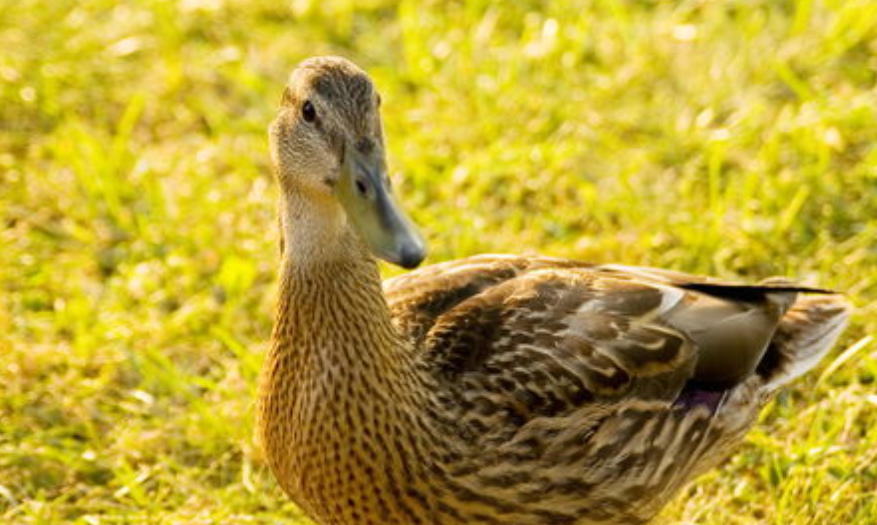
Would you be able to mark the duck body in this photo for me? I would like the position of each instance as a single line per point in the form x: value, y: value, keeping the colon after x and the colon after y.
x: 495, y: 389
x: 526, y: 390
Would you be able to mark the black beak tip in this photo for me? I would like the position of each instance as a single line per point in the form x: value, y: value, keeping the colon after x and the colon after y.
x: 411, y: 257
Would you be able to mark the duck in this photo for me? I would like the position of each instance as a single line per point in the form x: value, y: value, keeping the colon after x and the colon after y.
x: 495, y: 389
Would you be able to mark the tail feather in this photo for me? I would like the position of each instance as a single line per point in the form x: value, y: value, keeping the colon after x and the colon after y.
x: 805, y: 334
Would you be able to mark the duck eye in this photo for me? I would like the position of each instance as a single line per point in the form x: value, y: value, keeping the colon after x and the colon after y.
x: 308, y: 112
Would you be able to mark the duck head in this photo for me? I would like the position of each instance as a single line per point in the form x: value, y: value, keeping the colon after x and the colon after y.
x: 327, y: 146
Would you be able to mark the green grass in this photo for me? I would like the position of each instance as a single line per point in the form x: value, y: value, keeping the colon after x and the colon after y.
x: 139, y: 248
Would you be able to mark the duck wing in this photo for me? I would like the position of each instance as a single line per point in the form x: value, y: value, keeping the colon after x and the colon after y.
x: 615, y: 327
x: 417, y: 299
x: 587, y: 392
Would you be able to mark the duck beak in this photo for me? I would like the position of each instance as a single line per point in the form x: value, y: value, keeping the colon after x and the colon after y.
x: 364, y: 192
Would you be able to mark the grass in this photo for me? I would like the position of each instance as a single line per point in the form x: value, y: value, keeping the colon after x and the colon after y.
x: 137, y: 216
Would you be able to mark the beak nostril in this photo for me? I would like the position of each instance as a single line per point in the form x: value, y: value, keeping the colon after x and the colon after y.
x: 361, y: 187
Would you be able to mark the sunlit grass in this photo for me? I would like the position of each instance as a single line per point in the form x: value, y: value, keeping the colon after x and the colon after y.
x: 137, y: 213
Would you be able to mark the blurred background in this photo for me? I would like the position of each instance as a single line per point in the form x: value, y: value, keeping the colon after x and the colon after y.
x: 137, y: 218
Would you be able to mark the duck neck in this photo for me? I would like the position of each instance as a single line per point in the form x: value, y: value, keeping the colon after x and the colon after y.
x: 331, y: 312
x: 332, y: 317
x: 337, y: 369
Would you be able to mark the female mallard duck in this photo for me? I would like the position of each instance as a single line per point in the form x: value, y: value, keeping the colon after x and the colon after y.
x: 495, y: 389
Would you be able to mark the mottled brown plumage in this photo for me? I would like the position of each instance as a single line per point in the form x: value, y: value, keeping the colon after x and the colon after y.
x: 495, y: 389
